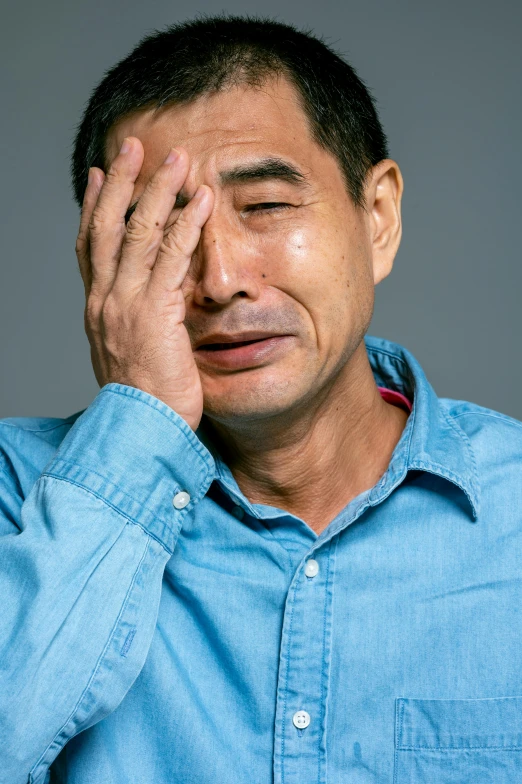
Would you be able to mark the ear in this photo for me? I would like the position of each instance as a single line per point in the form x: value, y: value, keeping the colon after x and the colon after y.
x: 383, y: 207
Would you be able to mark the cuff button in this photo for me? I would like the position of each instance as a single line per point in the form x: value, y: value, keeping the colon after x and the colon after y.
x: 180, y: 500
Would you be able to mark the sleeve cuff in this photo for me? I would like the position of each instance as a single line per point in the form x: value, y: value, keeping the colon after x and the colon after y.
x: 137, y: 454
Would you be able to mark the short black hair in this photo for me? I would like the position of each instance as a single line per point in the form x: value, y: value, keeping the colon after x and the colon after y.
x: 210, y: 53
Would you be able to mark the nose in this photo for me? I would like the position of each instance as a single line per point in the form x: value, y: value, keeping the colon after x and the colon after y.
x: 223, y: 265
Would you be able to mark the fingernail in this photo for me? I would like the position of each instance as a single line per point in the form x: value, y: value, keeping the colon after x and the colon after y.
x: 125, y: 147
x: 172, y: 156
x: 200, y: 196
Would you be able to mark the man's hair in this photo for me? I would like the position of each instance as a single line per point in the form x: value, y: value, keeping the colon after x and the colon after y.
x: 203, y: 56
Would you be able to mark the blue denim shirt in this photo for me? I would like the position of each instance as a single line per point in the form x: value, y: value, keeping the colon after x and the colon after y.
x: 157, y: 627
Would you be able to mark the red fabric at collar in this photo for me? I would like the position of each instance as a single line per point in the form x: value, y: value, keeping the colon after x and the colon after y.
x: 395, y: 398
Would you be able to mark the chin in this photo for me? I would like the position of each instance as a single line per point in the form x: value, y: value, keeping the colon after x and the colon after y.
x: 245, y: 401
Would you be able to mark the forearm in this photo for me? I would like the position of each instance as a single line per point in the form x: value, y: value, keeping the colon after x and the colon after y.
x: 81, y: 580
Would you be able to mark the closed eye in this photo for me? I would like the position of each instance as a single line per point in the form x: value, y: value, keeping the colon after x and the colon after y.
x: 266, y: 206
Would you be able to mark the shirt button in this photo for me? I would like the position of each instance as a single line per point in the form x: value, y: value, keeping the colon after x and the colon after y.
x: 301, y: 719
x: 311, y: 568
x: 238, y: 512
x: 180, y: 500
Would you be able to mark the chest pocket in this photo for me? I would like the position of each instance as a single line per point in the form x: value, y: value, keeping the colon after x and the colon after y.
x: 458, y: 741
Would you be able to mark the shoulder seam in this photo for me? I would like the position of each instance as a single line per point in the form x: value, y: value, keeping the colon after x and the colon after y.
x: 62, y: 423
x: 502, y: 417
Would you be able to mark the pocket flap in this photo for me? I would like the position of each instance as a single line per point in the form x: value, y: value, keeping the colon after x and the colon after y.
x: 459, y: 724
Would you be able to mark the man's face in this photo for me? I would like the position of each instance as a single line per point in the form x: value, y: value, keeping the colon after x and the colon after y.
x: 283, y: 254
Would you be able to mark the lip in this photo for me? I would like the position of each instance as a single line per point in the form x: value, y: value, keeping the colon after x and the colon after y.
x: 236, y: 337
x: 243, y: 356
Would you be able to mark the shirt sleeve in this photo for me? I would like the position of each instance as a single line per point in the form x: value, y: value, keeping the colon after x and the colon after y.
x: 81, y: 570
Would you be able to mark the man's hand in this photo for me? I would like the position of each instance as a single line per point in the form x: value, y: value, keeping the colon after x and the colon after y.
x: 132, y: 275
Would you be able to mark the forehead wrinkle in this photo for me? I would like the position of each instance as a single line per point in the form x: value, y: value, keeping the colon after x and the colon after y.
x: 249, y: 170
x: 261, y: 169
x: 213, y: 125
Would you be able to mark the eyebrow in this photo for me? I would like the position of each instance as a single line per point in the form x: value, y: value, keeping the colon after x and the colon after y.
x: 265, y: 169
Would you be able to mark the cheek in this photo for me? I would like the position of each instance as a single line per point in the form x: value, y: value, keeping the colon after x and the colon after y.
x: 313, y: 265
x: 294, y: 257
x: 328, y: 271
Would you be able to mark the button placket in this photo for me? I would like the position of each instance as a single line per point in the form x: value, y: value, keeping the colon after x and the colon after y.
x: 304, y: 677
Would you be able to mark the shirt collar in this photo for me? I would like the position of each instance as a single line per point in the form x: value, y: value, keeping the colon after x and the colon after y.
x: 431, y: 440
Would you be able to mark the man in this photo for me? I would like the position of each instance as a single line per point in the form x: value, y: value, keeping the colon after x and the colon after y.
x: 266, y: 551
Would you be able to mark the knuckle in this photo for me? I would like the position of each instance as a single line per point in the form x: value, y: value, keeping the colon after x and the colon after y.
x: 81, y: 245
x: 173, y: 243
x: 156, y: 183
x: 185, y: 221
x: 90, y: 326
x: 92, y: 311
x: 138, y: 226
x: 114, y: 175
x: 109, y: 309
x: 181, y: 239
x: 97, y: 223
x: 141, y: 235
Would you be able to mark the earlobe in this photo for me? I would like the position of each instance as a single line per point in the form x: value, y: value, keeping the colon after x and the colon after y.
x: 384, y: 194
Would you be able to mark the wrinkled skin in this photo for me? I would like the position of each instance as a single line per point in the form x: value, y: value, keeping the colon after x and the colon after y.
x: 309, y: 421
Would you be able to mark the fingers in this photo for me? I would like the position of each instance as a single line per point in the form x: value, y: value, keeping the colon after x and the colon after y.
x: 146, y: 226
x: 115, y: 257
x: 180, y: 242
x: 94, y: 184
x: 106, y: 225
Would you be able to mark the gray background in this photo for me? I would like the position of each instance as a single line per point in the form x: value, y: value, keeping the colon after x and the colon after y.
x: 447, y: 77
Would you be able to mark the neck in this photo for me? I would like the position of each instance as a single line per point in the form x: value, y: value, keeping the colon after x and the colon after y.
x: 314, y: 461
